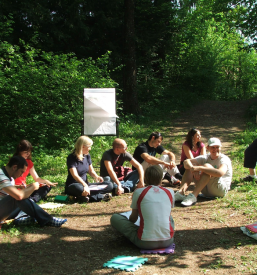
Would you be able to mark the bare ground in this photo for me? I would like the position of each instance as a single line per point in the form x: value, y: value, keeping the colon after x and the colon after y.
x: 208, y: 237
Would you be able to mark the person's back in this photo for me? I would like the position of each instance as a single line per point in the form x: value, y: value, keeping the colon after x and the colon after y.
x: 154, y: 206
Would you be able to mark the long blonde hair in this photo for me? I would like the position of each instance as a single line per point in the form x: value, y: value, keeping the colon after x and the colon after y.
x: 82, y: 141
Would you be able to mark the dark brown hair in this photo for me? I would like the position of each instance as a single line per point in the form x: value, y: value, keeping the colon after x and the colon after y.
x: 24, y: 145
x: 153, y: 175
x: 190, y: 138
x: 155, y: 135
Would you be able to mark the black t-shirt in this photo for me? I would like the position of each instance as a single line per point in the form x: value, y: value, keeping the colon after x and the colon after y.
x: 116, y: 161
x: 82, y: 167
x: 145, y: 148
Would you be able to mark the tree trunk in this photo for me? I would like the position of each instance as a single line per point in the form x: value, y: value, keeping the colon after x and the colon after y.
x: 129, y: 58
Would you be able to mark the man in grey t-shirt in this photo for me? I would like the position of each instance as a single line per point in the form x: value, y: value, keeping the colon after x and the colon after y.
x: 212, y: 174
x: 113, y: 159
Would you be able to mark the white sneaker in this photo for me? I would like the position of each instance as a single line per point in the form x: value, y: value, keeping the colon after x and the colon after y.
x: 189, y: 200
x: 179, y: 197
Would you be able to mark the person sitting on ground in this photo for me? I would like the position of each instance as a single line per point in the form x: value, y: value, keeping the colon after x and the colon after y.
x: 79, y: 163
x: 111, y: 168
x: 24, y: 149
x: 145, y: 154
x: 14, y: 201
x: 250, y: 159
x: 153, y: 205
x: 191, y: 148
x: 212, y: 174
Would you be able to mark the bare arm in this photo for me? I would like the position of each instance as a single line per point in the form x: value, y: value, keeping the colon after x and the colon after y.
x: 203, y: 151
x: 93, y: 174
x: 214, y: 172
x: 140, y: 170
x: 111, y: 172
x: 134, y: 215
x: 23, y: 193
x: 187, y: 152
x: 153, y: 160
x: 189, y: 163
x: 172, y: 157
x: 36, y: 178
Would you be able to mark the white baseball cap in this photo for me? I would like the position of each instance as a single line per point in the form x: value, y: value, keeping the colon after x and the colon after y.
x: 214, y: 141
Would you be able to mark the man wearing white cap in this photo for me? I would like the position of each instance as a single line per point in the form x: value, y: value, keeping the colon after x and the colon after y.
x: 212, y: 174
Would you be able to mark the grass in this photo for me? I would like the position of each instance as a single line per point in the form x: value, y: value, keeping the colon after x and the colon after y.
x: 51, y: 164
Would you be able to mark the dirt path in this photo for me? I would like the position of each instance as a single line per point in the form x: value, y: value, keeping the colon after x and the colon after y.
x: 208, y: 237
x: 220, y: 119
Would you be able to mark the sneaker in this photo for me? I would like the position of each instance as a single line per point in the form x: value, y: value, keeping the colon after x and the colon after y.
x: 179, y: 197
x: 57, y: 222
x: 248, y: 179
x: 189, y: 200
x: 175, y: 181
x: 107, y: 197
x: 178, y: 176
x: 24, y: 220
x: 83, y: 199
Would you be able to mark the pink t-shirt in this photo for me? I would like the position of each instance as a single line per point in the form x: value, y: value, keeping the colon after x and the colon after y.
x: 22, y: 179
x: 194, y: 153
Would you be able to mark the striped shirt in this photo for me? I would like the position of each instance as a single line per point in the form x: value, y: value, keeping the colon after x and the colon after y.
x: 5, y: 181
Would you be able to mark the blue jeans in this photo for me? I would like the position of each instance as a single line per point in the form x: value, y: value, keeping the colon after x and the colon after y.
x: 129, y: 182
x: 10, y: 208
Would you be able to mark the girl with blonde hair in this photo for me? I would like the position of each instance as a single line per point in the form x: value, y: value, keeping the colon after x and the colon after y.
x: 79, y: 164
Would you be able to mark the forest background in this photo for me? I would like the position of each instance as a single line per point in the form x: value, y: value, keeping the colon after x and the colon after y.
x: 161, y: 56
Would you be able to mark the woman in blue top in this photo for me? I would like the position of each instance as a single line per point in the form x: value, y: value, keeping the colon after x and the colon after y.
x: 79, y: 164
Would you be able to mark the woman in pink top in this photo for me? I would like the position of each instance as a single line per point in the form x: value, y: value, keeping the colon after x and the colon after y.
x: 24, y: 149
x: 191, y: 148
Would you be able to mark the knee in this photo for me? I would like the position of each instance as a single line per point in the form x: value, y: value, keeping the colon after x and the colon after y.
x: 114, y: 219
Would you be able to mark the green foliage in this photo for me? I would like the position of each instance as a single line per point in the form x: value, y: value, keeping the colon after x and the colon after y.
x: 42, y: 93
x: 213, y: 60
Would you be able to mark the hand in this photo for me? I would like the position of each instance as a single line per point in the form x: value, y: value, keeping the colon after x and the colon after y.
x: 86, y: 191
x: 167, y: 165
x: 140, y: 184
x: 49, y: 183
x: 99, y: 179
x: 120, y: 190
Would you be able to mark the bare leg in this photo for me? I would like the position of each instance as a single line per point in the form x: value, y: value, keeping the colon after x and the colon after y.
x: 186, y: 180
x: 252, y: 171
x: 202, y: 182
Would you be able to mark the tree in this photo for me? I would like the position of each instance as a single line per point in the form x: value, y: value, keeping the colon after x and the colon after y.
x: 129, y: 56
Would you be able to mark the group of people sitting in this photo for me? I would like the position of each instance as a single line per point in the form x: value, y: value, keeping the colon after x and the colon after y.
x: 212, y: 174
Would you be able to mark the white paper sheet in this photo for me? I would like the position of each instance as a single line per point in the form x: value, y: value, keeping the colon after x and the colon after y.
x: 100, y: 111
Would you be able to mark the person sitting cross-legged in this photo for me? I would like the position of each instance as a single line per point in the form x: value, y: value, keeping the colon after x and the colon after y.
x: 145, y: 154
x: 79, y: 164
x: 153, y: 205
x: 212, y: 174
x: 112, y: 169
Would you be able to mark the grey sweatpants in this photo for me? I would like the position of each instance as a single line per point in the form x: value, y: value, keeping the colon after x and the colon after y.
x: 129, y: 230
